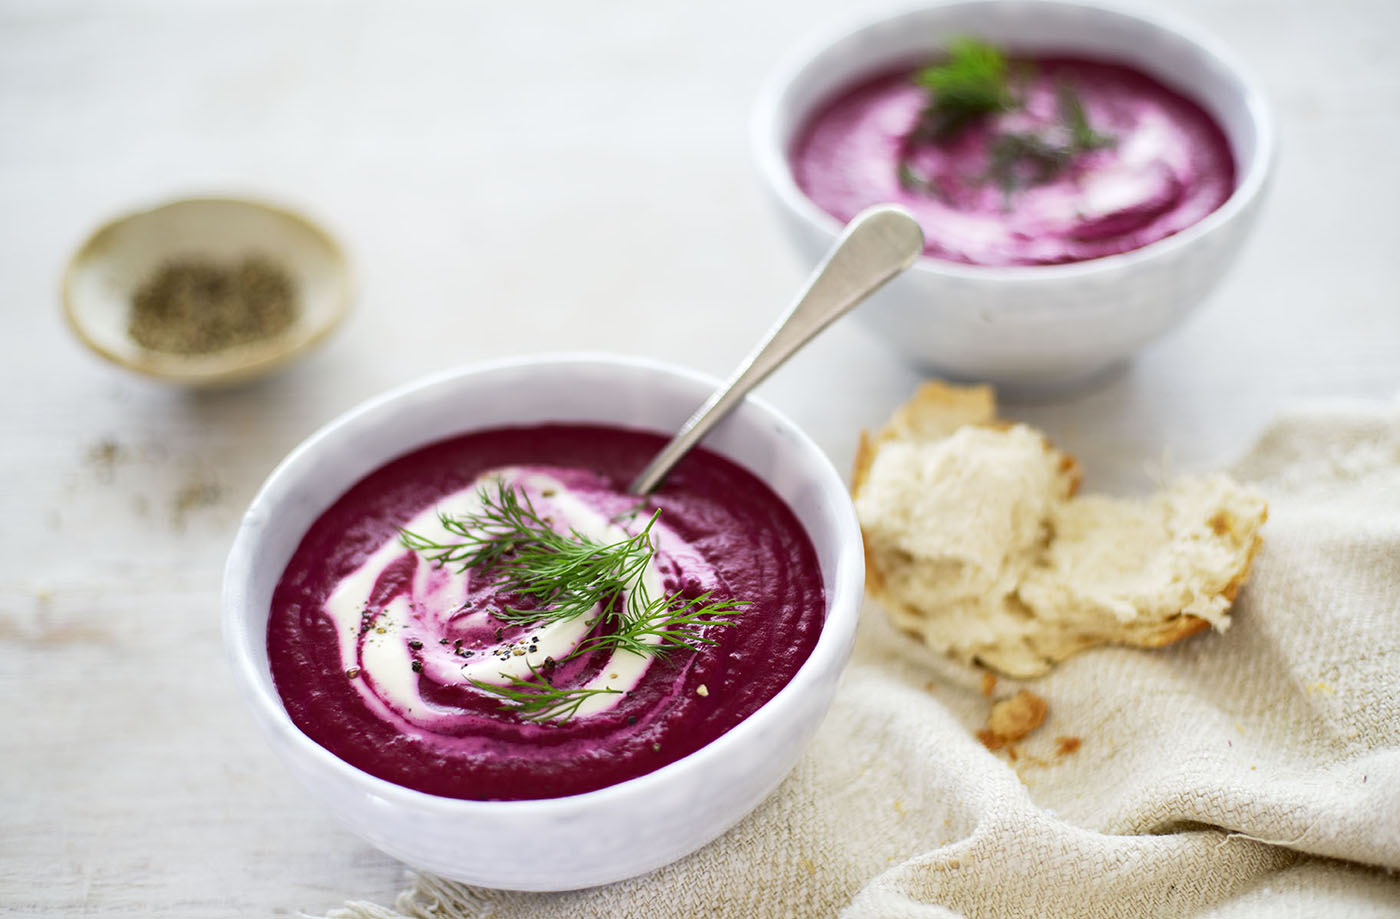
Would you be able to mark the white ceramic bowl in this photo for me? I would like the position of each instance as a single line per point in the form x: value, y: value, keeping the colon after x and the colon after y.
x: 601, y: 836
x: 1028, y: 324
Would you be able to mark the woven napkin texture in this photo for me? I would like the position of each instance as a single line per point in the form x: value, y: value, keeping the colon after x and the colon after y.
x: 1255, y: 772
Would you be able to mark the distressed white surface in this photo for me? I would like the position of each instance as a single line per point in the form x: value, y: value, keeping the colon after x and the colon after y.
x: 507, y: 178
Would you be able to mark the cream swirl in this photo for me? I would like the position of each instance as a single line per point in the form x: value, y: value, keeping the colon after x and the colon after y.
x: 404, y: 622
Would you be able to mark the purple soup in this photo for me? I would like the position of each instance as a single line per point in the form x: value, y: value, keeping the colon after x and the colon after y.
x: 374, y: 648
x: 1164, y: 165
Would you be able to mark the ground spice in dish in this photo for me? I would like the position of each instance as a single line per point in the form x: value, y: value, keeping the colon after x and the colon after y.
x: 198, y: 306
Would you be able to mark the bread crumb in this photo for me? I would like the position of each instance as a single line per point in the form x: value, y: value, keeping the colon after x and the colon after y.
x: 989, y: 683
x: 1067, y: 745
x: 1013, y: 718
x: 196, y: 494
x: 104, y: 456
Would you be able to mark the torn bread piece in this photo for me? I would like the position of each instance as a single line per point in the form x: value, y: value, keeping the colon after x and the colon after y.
x: 976, y: 543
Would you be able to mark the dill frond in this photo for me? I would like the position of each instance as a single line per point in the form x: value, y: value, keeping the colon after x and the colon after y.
x: 566, y: 575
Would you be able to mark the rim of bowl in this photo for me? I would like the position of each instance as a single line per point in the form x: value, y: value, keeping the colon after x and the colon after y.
x: 216, y: 368
x: 772, y: 155
x: 842, y: 614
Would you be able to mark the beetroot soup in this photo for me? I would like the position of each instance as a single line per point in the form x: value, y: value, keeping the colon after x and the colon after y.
x: 509, y: 680
x: 1027, y: 161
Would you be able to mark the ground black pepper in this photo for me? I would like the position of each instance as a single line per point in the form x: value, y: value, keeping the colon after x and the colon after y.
x: 199, y: 306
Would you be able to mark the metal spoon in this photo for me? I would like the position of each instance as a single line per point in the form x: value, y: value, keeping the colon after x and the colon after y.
x: 878, y: 244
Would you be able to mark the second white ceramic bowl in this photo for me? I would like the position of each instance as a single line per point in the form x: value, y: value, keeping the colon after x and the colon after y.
x: 1038, y: 325
x: 582, y: 840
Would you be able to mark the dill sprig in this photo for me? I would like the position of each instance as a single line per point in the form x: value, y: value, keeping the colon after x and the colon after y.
x: 1019, y: 160
x: 975, y: 82
x: 564, y: 575
x: 561, y: 576
x: 1083, y: 137
x: 537, y: 699
x: 674, y: 624
x: 1024, y: 159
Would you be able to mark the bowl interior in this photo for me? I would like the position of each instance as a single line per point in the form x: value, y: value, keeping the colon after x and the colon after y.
x: 106, y: 271
x: 1174, y: 53
x: 627, y: 393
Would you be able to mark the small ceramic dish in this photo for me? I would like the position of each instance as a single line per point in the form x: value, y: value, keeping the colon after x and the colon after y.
x: 103, y: 276
x: 616, y: 832
x: 1038, y: 325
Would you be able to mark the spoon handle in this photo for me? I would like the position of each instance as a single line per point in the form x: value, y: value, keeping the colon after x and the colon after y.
x: 878, y: 244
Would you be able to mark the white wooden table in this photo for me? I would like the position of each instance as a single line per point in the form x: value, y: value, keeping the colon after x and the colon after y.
x: 508, y: 178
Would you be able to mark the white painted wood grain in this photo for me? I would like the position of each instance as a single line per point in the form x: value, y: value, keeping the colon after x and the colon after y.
x: 435, y: 139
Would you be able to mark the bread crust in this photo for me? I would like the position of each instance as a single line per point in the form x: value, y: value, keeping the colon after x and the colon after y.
x: 937, y: 409
x: 1170, y: 632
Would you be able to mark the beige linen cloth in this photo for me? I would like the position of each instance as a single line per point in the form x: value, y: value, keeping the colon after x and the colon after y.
x: 1250, y: 773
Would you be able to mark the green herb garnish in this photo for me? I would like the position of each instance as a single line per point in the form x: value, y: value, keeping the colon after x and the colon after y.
x: 1026, y: 159
x: 973, y: 82
x: 564, y: 576
x: 1023, y: 159
x: 977, y: 82
x: 673, y: 622
x: 1083, y: 138
x: 537, y: 699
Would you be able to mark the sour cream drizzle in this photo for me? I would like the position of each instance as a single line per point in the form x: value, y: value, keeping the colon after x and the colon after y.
x: 397, y: 610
